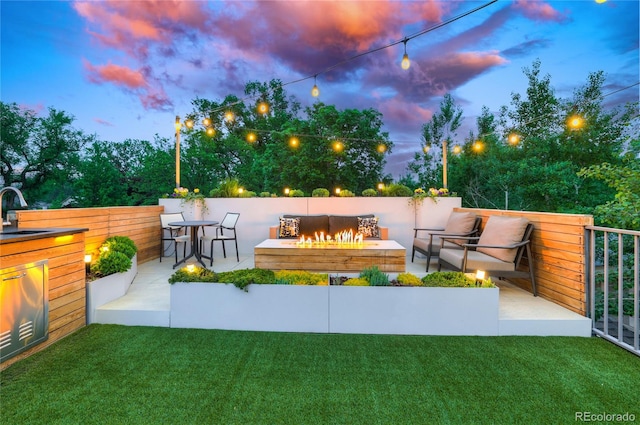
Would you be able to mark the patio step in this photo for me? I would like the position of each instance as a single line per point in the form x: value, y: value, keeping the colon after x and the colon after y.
x: 143, y: 305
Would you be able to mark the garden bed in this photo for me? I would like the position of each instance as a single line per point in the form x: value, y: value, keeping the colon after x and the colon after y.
x: 336, y: 309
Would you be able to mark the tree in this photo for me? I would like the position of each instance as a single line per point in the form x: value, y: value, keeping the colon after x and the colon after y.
x: 427, y: 165
x: 40, y: 154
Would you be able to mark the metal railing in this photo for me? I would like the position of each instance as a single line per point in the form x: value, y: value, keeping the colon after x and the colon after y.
x: 613, y: 292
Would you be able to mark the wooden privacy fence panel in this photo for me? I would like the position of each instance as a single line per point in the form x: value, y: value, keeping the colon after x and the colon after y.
x: 558, y: 245
x: 141, y: 224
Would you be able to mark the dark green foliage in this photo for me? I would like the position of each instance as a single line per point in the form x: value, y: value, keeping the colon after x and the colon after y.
x: 375, y: 277
x: 109, y: 374
x: 111, y: 262
x: 369, y: 192
x: 448, y: 280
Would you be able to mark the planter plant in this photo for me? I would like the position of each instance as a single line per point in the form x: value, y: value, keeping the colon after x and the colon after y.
x: 115, y: 256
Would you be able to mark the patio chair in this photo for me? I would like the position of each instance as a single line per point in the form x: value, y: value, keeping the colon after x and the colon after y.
x: 228, y: 224
x: 175, y: 234
x: 458, y: 224
x: 498, y: 251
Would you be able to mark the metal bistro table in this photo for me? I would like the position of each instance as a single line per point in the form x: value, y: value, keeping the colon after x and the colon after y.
x: 195, y: 226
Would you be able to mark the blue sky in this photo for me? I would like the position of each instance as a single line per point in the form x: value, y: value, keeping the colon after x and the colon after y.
x: 125, y: 69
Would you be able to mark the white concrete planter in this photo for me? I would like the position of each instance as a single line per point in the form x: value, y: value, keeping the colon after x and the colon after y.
x: 283, y: 308
x: 336, y: 309
x: 109, y: 288
x: 413, y: 310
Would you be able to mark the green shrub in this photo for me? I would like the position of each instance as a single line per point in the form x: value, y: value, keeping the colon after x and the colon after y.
x: 345, y: 193
x: 197, y: 274
x: 300, y: 277
x: 369, y: 192
x: 296, y: 193
x: 247, y: 194
x: 356, y: 281
x: 375, y: 276
x: 320, y: 192
x: 448, y: 280
x: 409, y: 279
x: 110, y: 262
x: 243, y: 278
x: 265, y: 195
x: 396, y: 189
x: 121, y: 244
x: 115, y: 255
x: 227, y: 189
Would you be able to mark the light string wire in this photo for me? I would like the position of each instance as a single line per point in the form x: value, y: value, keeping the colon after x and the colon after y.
x: 359, y: 55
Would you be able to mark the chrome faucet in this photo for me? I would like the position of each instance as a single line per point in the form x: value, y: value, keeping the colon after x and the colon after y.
x: 23, y: 203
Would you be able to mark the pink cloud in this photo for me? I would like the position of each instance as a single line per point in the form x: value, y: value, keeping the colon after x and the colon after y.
x: 103, y: 122
x: 116, y: 74
x: 539, y: 11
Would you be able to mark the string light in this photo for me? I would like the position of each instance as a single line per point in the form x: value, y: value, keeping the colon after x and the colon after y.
x: 210, y: 131
x: 338, y: 146
x: 382, y: 148
x: 514, y: 138
x: 294, y: 142
x: 251, y: 137
x: 263, y: 107
x: 189, y: 123
x: 406, y: 63
x: 228, y: 116
x: 206, y: 122
x: 477, y: 146
x: 315, y: 91
x: 575, y: 122
x: 457, y: 149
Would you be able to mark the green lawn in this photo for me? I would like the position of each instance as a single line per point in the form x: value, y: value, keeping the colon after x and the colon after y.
x: 107, y: 374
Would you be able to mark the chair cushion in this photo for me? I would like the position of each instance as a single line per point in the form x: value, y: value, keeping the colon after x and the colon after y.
x: 423, y: 244
x: 289, y: 227
x: 460, y: 223
x: 502, y: 231
x: 475, y: 261
x: 368, y: 226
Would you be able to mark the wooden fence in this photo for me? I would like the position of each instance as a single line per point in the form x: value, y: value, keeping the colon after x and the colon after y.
x: 558, y: 245
x: 141, y: 224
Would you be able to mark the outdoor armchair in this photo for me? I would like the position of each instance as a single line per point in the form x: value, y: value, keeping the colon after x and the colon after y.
x: 498, y: 251
x: 428, y: 241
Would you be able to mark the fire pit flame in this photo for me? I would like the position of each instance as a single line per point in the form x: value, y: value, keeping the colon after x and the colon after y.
x: 344, y: 238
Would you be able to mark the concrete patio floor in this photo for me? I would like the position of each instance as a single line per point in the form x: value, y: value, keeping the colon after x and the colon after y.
x: 147, y: 302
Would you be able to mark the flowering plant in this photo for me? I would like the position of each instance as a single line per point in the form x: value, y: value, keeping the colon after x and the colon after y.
x: 188, y: 196
x: 419, y: 194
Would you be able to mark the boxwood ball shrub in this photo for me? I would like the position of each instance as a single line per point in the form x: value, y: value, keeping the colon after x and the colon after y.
x: 345, y: 193
x: 320, y: 192
x: 369, y: 192
x: 396, y: 189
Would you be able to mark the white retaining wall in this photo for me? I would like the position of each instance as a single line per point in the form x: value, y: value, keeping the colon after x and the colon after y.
x: 257, y: 214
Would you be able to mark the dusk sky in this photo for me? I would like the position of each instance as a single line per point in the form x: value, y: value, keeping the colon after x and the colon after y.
x: 125, y: 69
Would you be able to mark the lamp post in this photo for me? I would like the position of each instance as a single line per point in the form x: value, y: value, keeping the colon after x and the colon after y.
x: 178, y: 126
x: 444, y: 164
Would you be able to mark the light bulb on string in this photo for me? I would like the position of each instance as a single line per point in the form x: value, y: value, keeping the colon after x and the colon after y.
x: 338, y: 146
x: 575, y: 122
x: 228, y: 116
x: 206, y: 122
x: 514, y: 138
x: 251, y: 137
x: 406, y: 63
x: 457, y: 149
x: 294, y: 142
x: 382, y: 148
x: 210, y: 131
x: 263, y: 108
x: 315, y: 91
x: 477, y: 146
x: 189, y: 123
